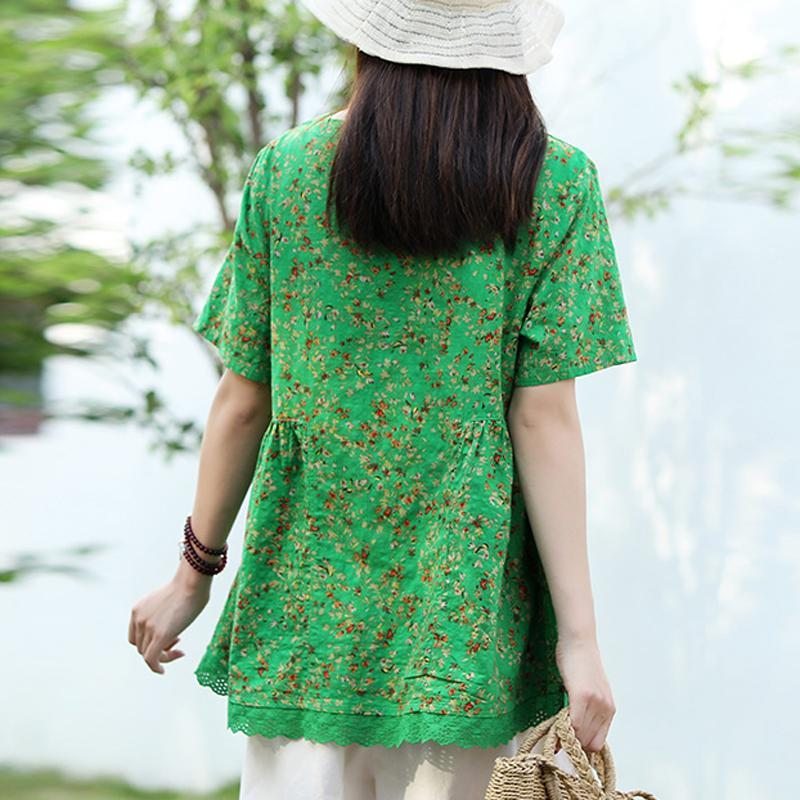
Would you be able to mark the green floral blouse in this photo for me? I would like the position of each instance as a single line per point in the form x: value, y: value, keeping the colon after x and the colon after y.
x: 389, y: 588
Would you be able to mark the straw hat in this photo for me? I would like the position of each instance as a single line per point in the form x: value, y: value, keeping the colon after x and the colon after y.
x: 511, y: 35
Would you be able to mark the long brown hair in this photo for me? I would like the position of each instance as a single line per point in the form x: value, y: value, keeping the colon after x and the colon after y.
x: 430, y: 159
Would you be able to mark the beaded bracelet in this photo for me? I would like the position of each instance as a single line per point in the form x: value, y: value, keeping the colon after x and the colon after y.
x: 212, y: 551
x: 195, y: 560
x: 197, y: 563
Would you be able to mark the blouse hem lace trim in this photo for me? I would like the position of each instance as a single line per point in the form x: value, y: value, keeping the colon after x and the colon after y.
x: 382, y: 729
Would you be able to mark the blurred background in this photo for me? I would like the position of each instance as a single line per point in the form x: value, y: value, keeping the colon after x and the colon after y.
x: 125, y: 136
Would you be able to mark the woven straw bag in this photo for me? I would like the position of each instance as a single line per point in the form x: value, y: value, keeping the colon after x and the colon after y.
x: 536, y: 776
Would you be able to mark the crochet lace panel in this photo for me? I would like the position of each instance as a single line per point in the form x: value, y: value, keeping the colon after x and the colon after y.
x: 383, y: 729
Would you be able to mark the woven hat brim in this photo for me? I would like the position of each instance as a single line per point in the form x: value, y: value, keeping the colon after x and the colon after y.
x: 516, y: 36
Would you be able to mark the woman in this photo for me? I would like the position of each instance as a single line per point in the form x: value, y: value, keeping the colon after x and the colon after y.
x: 412, y: 287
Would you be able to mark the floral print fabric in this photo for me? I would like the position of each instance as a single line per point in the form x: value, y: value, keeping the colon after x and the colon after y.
x: 390, y: 589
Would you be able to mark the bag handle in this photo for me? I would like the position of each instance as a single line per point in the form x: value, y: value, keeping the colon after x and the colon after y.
x: 602, y: 761
x: 559, y: 726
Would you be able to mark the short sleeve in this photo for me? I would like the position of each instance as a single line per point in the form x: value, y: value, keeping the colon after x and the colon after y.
x: 576, y: 321
x: 236, y: 315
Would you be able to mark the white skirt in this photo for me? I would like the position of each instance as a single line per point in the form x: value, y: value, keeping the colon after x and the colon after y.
x: 279, y: 768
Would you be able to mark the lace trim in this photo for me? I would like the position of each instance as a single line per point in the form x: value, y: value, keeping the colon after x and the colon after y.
x: 381, y: 729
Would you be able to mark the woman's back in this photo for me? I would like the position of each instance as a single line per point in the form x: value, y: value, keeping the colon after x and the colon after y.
x: 388, y: 567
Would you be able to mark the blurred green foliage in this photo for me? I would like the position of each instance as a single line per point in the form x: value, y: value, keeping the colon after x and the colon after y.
x: 218, y: 72
x: 757, y: 161
x: 57, y: 61
x: 20, y: 784
x: 29, y: 564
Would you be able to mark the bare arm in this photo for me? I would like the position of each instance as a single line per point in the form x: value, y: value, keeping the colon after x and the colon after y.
x: 548, y: 448
x: 239, y: 415
x: 545, y: 430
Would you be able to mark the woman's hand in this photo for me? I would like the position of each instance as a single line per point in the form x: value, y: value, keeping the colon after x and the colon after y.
x: 158, y: 618
x: 591, y: 704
